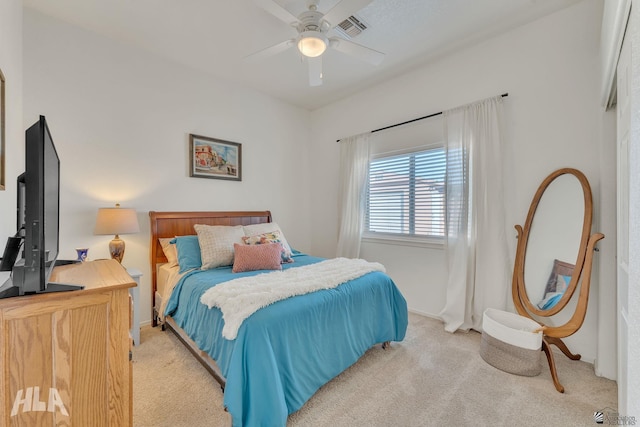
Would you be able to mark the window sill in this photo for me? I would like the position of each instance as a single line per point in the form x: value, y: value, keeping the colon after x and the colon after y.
x: 432, y: 243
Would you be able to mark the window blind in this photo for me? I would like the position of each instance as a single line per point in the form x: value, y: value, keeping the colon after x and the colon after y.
x: 405, y: 194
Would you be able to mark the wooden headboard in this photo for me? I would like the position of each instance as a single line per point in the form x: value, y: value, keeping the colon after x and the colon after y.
x: 171, y: 224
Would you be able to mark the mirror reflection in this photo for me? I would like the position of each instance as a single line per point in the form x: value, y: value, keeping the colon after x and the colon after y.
x: 554, y: 241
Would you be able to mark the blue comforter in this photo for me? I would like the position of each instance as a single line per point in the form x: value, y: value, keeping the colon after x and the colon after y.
x: 285, y: 352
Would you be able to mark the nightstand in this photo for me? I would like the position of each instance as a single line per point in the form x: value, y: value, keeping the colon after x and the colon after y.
x: 135, y: 297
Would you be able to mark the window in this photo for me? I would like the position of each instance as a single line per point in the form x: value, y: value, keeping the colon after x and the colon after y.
x: 405, y: 195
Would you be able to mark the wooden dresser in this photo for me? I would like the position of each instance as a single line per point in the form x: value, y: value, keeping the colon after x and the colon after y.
x: 65, y: 356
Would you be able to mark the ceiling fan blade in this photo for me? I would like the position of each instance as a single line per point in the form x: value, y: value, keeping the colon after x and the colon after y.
x: 363, y: 53
x: 276, y: 10
x: 315, y: 71
x: 270, y: 51
x: 343, y: 10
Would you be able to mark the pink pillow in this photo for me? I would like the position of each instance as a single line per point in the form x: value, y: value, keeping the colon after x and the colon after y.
x: 267, y: 256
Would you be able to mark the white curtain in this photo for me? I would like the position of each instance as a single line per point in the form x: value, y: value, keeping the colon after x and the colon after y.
x: 354, y: 172
x: 476, y: 242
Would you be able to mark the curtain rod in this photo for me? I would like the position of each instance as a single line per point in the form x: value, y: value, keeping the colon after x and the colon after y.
x: 414, y: 120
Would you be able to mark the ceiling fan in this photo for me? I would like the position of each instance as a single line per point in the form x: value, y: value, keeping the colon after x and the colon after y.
x: 314, y: 35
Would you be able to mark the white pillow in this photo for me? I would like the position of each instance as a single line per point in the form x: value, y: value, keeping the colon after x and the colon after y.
x: 169, y: 250
x: 267, y: 227
x: 216, y: 244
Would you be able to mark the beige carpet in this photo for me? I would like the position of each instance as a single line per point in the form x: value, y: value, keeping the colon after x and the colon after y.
x: 432, y: 378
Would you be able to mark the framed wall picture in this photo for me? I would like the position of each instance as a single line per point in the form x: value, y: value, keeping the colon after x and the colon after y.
x: 215, y: 158
x: 2, y: 133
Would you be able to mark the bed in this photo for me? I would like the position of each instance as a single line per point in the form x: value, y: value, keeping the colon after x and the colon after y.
x: 284, y: 352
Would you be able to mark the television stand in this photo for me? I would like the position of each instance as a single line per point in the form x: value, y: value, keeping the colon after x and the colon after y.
x: 60, y: 262
x: 60, y: 287
x: 7, y: 290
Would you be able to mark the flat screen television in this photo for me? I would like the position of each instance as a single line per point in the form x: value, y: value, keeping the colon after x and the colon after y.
x: 38, y: 210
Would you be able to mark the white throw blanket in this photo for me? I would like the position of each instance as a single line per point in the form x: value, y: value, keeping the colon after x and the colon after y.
x: 240, y: 298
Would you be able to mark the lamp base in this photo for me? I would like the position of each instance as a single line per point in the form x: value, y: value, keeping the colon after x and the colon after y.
x: 116, y: 248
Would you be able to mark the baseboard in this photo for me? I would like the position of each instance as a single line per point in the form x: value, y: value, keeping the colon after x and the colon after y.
x: 424, y: 314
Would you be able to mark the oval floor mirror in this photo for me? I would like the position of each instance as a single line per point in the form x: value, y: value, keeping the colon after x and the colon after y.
x: 554, y: 257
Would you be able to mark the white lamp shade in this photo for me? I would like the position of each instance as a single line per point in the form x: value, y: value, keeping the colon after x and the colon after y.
x: 116, y: 221
x: 312, y: 44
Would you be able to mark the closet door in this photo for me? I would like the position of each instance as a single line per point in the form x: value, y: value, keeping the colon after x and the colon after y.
x: 622, y: 144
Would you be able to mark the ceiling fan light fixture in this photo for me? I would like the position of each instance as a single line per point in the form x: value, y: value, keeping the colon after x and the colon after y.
x: 312, y: 43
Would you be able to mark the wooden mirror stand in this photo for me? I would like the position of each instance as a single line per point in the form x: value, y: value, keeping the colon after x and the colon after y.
x: 581, y: 275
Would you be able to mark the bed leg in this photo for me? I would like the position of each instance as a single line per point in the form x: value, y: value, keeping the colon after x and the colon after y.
x: 386, y: 345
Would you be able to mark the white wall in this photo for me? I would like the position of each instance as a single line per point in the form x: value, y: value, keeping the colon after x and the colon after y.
x: 632, y: 356
x: 553, y: 120
x: 605, y: 222
x: 11, y: 65
x: 121, y: 118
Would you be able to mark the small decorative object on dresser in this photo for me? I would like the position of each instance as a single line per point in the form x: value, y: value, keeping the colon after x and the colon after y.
x: 82, y: 254
x: 215, y: 158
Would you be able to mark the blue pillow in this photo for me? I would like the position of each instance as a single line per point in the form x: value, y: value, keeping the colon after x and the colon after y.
x: 551, y: 302
x: 188, y: 252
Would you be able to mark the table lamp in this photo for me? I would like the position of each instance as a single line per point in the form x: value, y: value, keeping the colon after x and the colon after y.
x: 116, y: 221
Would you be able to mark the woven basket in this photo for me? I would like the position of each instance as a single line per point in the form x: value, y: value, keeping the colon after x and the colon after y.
x: 510, y: 344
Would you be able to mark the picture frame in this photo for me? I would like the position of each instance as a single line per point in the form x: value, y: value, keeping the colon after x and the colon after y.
x: 215, y: 158
x: 3, y: 154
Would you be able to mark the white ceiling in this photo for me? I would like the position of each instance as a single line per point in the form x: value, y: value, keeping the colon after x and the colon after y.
x: 215, y: 35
